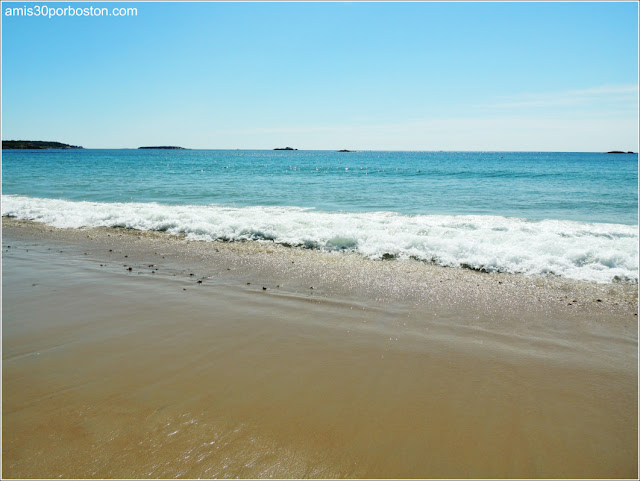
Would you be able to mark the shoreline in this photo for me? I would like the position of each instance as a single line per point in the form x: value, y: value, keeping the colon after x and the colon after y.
x: 343, y: 272
x: 341, y: 367
x: 599, y: 252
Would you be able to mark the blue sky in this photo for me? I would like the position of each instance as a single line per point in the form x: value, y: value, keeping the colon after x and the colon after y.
x: 399, y: 76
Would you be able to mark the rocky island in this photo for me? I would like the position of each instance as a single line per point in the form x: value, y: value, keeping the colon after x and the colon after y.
x: 345, y: 150
x: 36, y: 144
x: 619, y: 152
x: 285, y: 148
x: 169, y: 147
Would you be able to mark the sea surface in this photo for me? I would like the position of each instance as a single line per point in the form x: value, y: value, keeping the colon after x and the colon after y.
x: 573, y: 215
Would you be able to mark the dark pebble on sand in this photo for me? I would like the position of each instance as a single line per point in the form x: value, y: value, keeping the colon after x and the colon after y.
x: 311, y: 288
x: 126, y: 256
x: 130, y: 269
x: 110, y: 250
x: 598, y: 300
x: 199, y: 282
x: 192, y: 274
x: 264, y: 288
x: 248, y: 283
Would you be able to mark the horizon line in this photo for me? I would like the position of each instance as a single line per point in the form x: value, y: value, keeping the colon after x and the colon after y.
x: 350, y: 151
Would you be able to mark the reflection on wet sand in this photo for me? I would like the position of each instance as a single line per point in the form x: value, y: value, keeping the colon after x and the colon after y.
x: 110, y: 374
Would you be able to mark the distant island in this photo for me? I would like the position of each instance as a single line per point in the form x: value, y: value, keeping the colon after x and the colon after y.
x: 36, y: 144
x: 171, y: 147
x: 285, y: 148
x: 619, y: 152
x: 345, y: 150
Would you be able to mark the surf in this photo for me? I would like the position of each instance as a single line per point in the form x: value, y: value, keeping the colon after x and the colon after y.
x: 598, y: 252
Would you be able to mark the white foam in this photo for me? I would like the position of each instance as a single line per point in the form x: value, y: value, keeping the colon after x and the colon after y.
x: 577, y: 250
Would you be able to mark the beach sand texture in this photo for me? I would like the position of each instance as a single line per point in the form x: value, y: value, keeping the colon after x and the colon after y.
x: 119, y: 363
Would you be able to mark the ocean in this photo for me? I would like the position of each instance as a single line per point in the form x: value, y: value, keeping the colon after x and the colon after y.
x: 573, y: 215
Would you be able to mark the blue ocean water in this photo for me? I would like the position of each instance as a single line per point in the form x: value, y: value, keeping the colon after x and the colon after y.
x: 569, y: 214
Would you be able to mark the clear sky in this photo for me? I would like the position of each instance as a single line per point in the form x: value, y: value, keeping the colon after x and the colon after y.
x: 398, y: 76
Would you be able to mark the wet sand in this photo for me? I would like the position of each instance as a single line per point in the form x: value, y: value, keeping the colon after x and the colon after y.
x: 341, y: 367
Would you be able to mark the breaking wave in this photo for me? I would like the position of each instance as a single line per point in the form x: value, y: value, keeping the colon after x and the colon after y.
x: 585, y: 251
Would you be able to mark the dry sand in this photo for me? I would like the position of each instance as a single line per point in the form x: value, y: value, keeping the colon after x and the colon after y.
x: 342, y: 367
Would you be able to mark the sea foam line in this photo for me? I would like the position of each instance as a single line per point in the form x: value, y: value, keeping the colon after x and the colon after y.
x: 577, y: 250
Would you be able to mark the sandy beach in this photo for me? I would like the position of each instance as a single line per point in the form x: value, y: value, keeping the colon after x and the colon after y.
x: 143, y: 355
